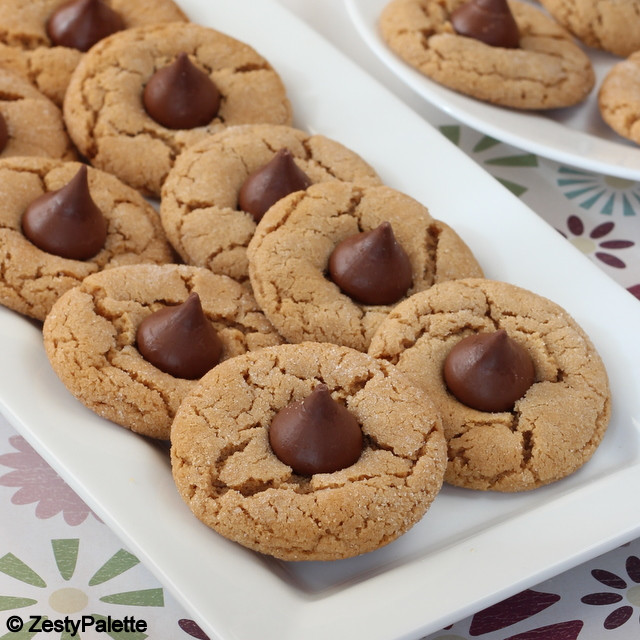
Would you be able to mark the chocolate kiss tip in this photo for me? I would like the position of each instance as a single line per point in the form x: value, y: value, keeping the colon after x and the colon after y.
x: 316, y: 434
x: 270, y: 183
x: 489, y: 371
x: 489, y: 21
x: 180, y: 340
x: 181, y: 96
x: 81, y: 23
x: 67, y: 222
x: 372, y: 267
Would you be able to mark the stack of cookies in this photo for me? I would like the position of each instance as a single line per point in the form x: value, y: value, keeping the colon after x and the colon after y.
x: 321, y: 353
x: 515, y: 54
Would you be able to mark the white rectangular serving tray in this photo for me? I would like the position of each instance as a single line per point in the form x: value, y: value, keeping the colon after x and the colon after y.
x: 472, y: 548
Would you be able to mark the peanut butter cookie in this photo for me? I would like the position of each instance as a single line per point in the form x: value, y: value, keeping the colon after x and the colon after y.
x: 545, y: 70
x: 610, y: 25
x: 199, y: 205
x: 158, y: 70
x: 92, y: 340
x: 619, y: 98
x: 26, y: 45
x: 227, y: 472
x: 550, y: 429
x: 289, y: 258
x: 33, y: 278
x: 33, y: 124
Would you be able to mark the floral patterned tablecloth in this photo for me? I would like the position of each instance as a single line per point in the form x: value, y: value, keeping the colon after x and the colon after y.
x: 58, y: 559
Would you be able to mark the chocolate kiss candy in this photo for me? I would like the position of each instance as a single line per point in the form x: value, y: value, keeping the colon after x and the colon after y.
x: 81, y: 23
x: 67, y: 222
x: 489, y: 21
x: 372, y: 267
x: 489, y: 371
x: 270, y: 183
x: 179, y: 340
x: 316, y: 435
x: 181, y: 96
x: 4, y: 133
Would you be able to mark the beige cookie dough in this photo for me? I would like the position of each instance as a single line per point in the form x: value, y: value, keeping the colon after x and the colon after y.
x: 26, y: 48
x: 226, y: 472
x: 106, y: 117
x: 547, y: 71
x: 553, y: 429
x: 199, y: 203
x: 610, y: 25
x: 619, y: 98
x: 289, y: 253
x: 31, y: 280
x: 34, y: 123
x: 90, y: 338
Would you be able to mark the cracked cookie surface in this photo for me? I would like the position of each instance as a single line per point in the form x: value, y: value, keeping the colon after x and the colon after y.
x: 26, y: 48
x: 199, y: 204
x: 619, y: 98
x: 553, y: 429
x: 547, y: 71
x: 90, y: 339
x: 610, y: 25
x: 106, y: 118
x: 289, y: 253
x: 226, y: 472
x: 34, y: 122
x: 31, y: 279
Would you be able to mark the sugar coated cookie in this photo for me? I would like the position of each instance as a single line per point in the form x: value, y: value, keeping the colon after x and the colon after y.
x: 229, y: 475
x: 91, y: 338
x: 33, y: 277
x: 290, y: 252
x: 199, y: 205
x: 26, y: 45
x: 610, y: 25
x: 619, y: 98
x: 555, y: 425
x: 32, y: 123
x: 134, y: 73
x: 545, y: 70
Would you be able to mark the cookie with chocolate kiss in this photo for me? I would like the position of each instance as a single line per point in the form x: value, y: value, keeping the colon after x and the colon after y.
x: 296, y: 494
x: 132, y: 341
x: 521, y: 388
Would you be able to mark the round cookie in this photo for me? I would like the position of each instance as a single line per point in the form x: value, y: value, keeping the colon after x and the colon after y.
x: 90, y: 338
x: 552, y: 430
x: 106, y: 117
x: 226, y: 471
x: 289, y: 254
x: 547, y: 71
x: 610, y: 25
x: 619, y: 98
x: 34, y: 124
x: 199, y: 203
x: 33, y: 279
x: 26, y: 48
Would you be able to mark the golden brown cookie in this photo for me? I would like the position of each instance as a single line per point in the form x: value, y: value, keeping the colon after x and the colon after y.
x: 226, y: 471
x: 610, y: 25
x: 25, y: 46
x: 199, y: 204
x: 290, y: 250
x: 548, y: 70
x: 90, y: 338
x: 619, y: 98
x: 552, y: 430
x: 34, y: 124
x: 107, y: 119
x: 33, y: 279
